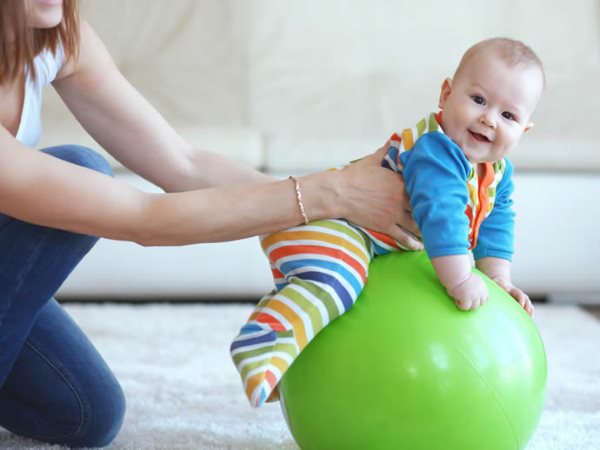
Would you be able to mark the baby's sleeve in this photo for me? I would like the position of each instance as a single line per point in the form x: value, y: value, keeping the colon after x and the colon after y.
x: 435, y: 173
x: 496, y: 233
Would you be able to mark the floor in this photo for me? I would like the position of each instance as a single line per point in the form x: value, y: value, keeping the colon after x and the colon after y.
x: 593, y: 309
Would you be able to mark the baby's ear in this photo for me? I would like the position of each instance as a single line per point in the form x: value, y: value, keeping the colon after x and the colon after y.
x: 528, y: 127
x: 445, y: 92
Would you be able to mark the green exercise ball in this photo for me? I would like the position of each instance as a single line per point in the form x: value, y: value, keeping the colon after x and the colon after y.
x: 405, y: 369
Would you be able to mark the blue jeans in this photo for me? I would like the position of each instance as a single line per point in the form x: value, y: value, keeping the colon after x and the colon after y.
x: 54, y: 385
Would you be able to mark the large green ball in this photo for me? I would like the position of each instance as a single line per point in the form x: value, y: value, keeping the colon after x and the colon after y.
x: 405, y: 369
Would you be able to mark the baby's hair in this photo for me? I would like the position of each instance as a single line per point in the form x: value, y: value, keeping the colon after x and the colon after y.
x: 512, y: 51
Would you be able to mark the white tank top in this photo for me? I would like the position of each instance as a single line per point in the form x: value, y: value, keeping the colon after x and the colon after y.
x: 47, y: 67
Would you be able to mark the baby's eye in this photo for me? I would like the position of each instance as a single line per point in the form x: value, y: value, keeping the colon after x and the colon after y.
x: 508, y: 115
x: 478, y: 99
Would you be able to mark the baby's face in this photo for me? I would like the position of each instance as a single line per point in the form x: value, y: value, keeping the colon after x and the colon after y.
x: 488, y: 106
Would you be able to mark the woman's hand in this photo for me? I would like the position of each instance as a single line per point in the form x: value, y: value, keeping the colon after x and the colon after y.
x: 375, y: 197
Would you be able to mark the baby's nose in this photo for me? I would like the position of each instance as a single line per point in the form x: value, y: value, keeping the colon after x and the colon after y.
x: 488, y: 120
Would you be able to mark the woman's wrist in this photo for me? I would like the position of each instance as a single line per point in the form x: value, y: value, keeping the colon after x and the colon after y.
x: 299, y: 199
x: 320, y: 196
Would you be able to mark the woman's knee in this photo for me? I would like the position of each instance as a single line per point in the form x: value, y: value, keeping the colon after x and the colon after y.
x: 82, y: 156
x: 68, y: 393
x: 106, y: 417
x: 102, y: 414
x: 62, y: 410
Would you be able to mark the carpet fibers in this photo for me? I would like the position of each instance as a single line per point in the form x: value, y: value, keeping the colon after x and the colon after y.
x: 184, y: 393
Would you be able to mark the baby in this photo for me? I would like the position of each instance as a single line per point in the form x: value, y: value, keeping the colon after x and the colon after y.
x: 459, y: 182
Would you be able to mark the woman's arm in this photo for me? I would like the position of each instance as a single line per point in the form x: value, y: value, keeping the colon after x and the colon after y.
x: 38, y: 188
x: 122, y: 121
x: 129, y: 128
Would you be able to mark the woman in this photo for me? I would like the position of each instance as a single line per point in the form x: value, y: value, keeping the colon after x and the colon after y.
x: 54, y: 386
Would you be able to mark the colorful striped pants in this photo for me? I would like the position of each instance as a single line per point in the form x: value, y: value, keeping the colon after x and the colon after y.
x: 319, y: 271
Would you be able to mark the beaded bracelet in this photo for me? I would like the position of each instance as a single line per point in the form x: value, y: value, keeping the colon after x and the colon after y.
x: 299, y: 198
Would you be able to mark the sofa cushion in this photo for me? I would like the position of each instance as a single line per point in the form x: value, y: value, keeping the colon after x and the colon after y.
x: 241, y: 143
x: 236, y: 141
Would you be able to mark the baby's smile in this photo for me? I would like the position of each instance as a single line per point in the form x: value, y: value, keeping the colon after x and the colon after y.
x: 479, y: 137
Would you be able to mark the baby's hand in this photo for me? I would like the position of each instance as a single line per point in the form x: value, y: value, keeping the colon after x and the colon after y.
x: 517, y: 294
x: 470, y: 294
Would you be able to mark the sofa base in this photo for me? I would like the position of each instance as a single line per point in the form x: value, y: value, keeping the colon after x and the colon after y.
x: 554, y: 254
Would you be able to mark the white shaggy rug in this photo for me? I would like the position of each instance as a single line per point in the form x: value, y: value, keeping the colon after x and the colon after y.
x: 183, y: 392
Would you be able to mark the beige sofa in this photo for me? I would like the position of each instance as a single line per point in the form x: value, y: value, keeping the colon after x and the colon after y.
x: 291, y: 86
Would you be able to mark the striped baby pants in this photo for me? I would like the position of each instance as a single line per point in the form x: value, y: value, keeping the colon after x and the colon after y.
x: 319, y: 270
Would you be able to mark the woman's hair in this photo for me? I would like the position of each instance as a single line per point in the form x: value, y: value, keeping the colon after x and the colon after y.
x: 19, y: 44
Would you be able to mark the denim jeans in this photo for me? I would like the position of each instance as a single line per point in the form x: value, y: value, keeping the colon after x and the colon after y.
x: 54, y: 385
